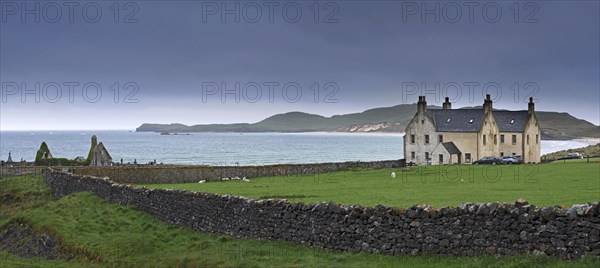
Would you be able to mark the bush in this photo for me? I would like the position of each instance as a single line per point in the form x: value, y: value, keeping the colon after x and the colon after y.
x: 59, y: 162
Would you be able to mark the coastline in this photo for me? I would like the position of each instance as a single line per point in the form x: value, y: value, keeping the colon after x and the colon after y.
x: 586, y: 140
x: 219, y: 148
x: 590, y: 141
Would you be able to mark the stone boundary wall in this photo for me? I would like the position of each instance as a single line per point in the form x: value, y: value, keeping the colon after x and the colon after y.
x: 186, y: 174
x: 21, y: 170
x: 471, y: 229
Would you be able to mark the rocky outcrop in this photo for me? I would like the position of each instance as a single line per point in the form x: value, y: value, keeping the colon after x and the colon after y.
x: 470, y: 229
x: 20, y: 239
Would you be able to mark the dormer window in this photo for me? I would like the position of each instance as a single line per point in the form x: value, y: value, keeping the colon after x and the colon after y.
x: 471, y: 121
x: 448, y: 120
x: 512, y: 121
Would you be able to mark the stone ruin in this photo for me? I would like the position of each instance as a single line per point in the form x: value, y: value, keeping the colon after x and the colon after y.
x: 43, y: 153
x: 9, y: 161
x: 99, y: 155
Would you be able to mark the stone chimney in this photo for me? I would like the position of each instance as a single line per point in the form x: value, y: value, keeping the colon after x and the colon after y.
x: 487, y: 104
x: 422, y: 105
x: 530, y: 106
x: 447, y: 105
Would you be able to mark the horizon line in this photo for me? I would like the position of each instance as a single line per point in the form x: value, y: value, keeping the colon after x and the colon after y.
x: 21, y: 130
x: 294, y: 111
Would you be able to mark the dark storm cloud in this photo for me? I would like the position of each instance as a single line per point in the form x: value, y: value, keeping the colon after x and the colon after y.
x: 369, y: 53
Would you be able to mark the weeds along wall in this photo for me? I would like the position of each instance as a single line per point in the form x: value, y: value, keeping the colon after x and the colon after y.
x: 183, y: 174
x: 491, y: 228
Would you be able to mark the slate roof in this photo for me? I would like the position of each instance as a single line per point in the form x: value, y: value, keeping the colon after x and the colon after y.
x: 460, y: 120
x: 451, y: 147
x: 470, y: 120
x: 511, y: 121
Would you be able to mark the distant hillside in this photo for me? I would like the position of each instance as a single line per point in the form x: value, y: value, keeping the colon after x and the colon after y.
x: 555, y: 126
x: 391, y: 119
x: 592, y: 150
x: 565, y: 126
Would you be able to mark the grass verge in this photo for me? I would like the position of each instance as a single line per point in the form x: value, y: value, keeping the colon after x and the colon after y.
x: 558, y: 183
x: 120, y: 236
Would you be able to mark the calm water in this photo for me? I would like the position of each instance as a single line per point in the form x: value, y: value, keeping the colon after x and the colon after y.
x: 220, y: 148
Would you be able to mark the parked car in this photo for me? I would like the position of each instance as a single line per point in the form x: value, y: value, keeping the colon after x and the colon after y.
x: 518, y: 157
x: 513, y: 159
x: 572, y: 156
x: 488, y: 160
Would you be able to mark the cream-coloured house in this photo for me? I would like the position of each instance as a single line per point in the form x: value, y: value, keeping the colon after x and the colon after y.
x: 447, y: 136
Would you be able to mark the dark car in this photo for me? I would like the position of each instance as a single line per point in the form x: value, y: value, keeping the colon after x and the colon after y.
x: 488, y: 160
x: 571, y: 156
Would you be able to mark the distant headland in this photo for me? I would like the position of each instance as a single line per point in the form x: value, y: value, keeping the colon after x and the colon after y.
x: 554, y: 125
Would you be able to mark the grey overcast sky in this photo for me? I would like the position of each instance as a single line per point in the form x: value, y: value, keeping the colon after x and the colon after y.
x: 196, y: 62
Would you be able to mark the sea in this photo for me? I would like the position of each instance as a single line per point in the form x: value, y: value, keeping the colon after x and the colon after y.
x: 221, y: 148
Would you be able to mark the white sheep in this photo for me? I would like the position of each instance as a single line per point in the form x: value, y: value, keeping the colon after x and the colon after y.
x: 245, y: 180
x: 202, y: 181
x: 393, y: 175
x: 235, y: 178
x: 225, y: 179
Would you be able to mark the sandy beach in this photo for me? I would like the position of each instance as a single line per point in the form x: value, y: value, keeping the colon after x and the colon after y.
x: 589, y: 140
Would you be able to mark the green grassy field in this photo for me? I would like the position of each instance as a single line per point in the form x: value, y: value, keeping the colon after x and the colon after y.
x: 120, y: 236
x: 558, y: 183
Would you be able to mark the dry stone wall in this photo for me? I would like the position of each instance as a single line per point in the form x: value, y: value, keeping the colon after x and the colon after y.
x: 20, y: 170
x: 471, y: 229
x: 185, y: 174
